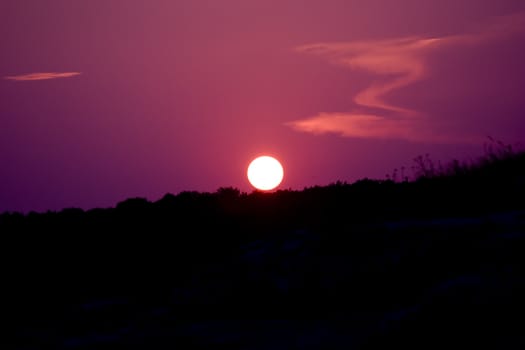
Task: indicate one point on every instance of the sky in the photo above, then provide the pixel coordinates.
(101, 101)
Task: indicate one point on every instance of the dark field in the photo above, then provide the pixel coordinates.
(434, 262)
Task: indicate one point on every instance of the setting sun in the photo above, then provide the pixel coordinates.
(265, 173)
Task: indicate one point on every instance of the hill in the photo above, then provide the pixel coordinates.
(435, 261)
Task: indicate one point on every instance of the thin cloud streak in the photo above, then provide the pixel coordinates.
(42, 76)
(405, 59)
(361, 125)
(373, 126)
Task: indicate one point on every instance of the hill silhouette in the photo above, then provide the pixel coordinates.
(428, 262)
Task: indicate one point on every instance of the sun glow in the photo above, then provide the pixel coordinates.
(265, 173)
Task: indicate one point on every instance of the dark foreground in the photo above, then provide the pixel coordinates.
(437, 263)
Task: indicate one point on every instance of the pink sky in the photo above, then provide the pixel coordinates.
(106, 100)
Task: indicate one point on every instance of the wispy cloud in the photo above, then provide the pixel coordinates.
(373, 126)
(361, 125)
(399, 57)
(402, 61)
(42, 76)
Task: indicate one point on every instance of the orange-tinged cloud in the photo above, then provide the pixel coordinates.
(352, 125)
(403, 61)
(42, 76)
(373, 126)
(399, 57)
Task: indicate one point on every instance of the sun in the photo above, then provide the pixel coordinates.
(265, 173)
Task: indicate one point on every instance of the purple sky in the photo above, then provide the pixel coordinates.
(106, 100)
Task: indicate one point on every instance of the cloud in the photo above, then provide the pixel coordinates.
(373, 126)
(353, 125)
(42, 76)
(400, 57)
(402, 62)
